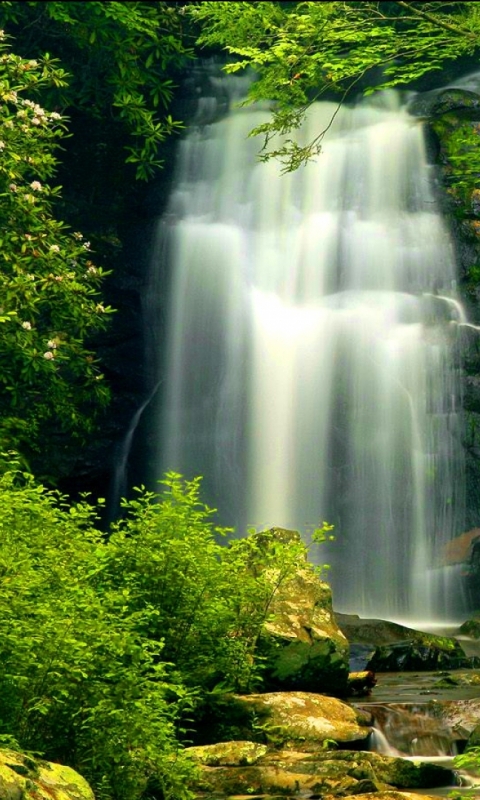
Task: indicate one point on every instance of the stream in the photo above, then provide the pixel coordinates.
(428, 716)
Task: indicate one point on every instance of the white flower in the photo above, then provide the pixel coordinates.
(55, 115)
(8, 123)
(86, 246)
(54, 248)
(92, 271)
(36, 186)
(52, 344)
(2, 145)
(36, 121)
(78, 235)
(21, 113)
(32, 63)
(13, 187)
(27, 326)
(48, 355)
(99, 308)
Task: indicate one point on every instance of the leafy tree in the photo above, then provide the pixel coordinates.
(303, 51)
(121, 59)
(50, 301)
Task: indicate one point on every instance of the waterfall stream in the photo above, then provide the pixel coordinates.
(311, 371)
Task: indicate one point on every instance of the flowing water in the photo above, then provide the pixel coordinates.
(311, 371)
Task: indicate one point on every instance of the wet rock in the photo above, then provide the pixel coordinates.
(437, 103)
(301, 644)
(471, 628)
(325, 774)
(461, 716)
(360, 684)
(426, 652)
(474, 738)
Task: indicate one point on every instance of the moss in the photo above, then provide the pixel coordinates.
(23, 778)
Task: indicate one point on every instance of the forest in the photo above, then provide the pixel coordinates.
(121, 630)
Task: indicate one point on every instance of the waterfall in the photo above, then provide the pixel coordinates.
(311, 371)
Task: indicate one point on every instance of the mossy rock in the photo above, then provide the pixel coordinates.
(301, 645)
(435, 104)
(23, 778)
(304, 721)
(471, 628)
(227, 754)
(425, 653)
(328, 774)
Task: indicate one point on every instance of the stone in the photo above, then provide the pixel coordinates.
(437, 103)
(305, 721)
(388, 795)
(424, 653)
(471, 628)
(327, 774)
(227, 754)
(25, 778)
(301, 644)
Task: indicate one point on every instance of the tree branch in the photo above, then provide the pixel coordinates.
(431, 18)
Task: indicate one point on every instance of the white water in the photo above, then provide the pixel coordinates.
(310, 372)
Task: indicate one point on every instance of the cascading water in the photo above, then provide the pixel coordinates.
(310, 368)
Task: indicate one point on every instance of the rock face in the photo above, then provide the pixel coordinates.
(303, 647)
(23, 778)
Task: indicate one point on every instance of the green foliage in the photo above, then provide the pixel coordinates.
(50, 300)
(121, 58)
(300, 51)
(107, 646)
(79, 681)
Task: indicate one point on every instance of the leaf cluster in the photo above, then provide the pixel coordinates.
(303, 51)
(121, 59)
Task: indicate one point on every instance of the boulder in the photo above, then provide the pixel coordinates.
(326, 774)
(471, 628)
(301, 644)
(427, 652)
(303, 721)
(25, 778)
(388, 795)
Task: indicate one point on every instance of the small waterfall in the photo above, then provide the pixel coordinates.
(311, 372)
(411, 731)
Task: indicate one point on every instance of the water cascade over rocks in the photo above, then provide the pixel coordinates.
(311, 369)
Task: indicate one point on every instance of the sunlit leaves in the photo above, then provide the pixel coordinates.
(302, 50)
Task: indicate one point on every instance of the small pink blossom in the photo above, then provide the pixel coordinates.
(36, 186)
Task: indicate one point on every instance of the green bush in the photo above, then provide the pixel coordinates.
(108, 644)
